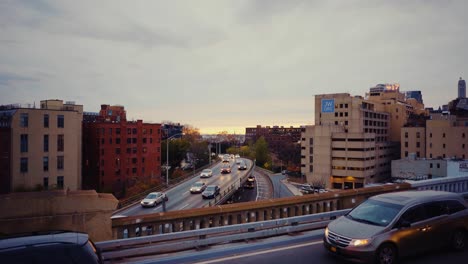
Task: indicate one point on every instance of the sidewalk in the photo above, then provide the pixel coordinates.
(292, 187)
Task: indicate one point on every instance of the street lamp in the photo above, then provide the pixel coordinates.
(167, 156)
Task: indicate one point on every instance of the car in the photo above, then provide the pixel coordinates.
(206, 173)
(242, 166)
(211, 191)
(198, 187)
(226, 169)
(237, 156)
(49, 247)
(153, 199)
(307, 189)
(251, 178)
(226, 160)
(388, 226)
(238, 161)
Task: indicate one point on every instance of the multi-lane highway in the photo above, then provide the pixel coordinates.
(180, 197)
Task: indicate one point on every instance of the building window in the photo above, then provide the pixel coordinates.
(117, 151)
(443, 135)
(60, 163)
(134, 131)
(418, 144)
(24, 120)
(144, 140)
(60, 121)
(418, 135)
(430, 145)
(406, 144)
(24, 143)
(24, 165)
(430, 155)
(117, 141)
(463, 146)
(110, 131)
(463, 135)
(406, 134)
(443, 145)
(406, 153)
(45, 163)
(46, 183)
(134, 140)
(46, 143)
(59, 182)
(418, 154)
(430, 165)
(60, 143)
(438, 165)
(430, 135)
(117, 131)
(110, 141)
(46, 120)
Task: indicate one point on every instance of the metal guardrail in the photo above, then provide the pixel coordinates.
(171, 242)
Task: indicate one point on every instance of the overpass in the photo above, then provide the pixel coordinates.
(185, 229)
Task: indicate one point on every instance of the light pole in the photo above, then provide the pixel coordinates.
(167, 156)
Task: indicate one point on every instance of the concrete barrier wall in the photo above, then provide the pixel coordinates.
(222, 215)
(83, 211)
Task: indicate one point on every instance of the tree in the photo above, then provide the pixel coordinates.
(261, 151)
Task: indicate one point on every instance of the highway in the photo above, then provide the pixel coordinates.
(297, 248)
(180, 197)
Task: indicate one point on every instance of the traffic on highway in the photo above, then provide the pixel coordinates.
(181, 197)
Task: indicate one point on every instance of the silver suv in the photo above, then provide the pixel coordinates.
(388, 226)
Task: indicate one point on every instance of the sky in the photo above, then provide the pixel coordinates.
(227, 65)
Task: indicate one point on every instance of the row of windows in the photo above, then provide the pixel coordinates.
(134, 131)
(353, 149)
(24, 143)
(374, 123)
(24, 164)
(353, 159)
(129, 141)
(353, 168)
(418, 135)
(24, 120)
(375, 115)
(354, 139)
(59, 182)
(341, 114)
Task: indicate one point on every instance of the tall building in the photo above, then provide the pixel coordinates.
(354, 139)
(461, 88)
(118, 152)
(40, 148)
(275, 136)
(416, 95)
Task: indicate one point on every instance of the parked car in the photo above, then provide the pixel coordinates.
(198, 187)
(226, 169)
(211, 191)
(242, 165)
(392, 225)
(206, 173)
(153, 199)
(307, 189)
(49, 247)
(251, 178)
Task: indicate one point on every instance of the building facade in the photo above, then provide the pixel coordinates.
(275, 136)
(40, 147)
(443, 136)
(117, 152)
(354, 139)
(412, 168)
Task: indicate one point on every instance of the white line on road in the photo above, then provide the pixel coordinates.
(184, 206)
(259, 253)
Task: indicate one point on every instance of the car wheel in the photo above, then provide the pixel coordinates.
(459, 238)
(387, 254)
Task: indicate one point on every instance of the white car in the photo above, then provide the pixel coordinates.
(154, 199)
(198, 187)
(206, 173)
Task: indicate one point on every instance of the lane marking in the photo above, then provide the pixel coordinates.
(184, 206)
(259, 253)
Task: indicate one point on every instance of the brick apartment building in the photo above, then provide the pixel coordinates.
(276, 136)
(118, 152)
(40, 148)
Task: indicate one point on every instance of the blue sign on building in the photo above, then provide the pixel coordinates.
(328, 105)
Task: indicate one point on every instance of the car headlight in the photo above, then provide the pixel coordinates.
(326, 232)
(359, 242)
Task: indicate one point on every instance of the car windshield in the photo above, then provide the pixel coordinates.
(197, 184)
(152, 196)
(375, 212)
(210, 188)
(206, 171)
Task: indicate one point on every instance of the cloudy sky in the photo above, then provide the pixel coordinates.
(226, 65)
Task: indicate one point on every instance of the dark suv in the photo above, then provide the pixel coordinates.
(49, 247)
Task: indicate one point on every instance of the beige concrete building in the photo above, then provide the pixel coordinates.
(354, 139)
(444, 136)
(41, 147)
